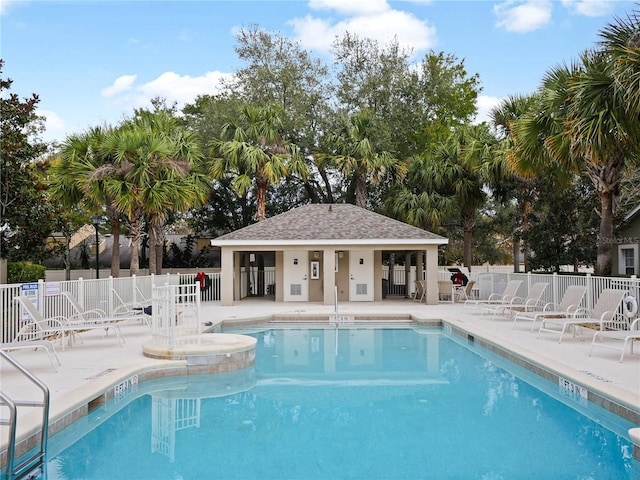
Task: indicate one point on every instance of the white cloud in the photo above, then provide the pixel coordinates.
(5, 5)
(351, 7)
(589, 8)
(122, 84)
(54, 124)
(520, 17)
(485, 104)
(182, 89)
(383, 26)
(173, 87)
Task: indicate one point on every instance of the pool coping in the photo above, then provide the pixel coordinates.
(79, 402)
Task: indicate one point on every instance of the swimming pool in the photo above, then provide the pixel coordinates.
(350, 403)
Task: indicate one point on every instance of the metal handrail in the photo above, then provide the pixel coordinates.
(38, 459)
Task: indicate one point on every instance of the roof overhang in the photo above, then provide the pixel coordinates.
(328, 243)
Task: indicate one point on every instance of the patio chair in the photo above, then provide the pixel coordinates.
(510, 291)
(99, 315)
(529, 303)
(627, 337)
(129, 308)
(463, 291)
(33, 344)
(421, 291)
(608, 304)
(41, 328)
(568, 307)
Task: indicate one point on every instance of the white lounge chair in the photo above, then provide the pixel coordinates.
(99, 315)
(34, 344)
(510, 291)
(529, 303)
(463, 292)
(608, 304)
(568, 307)
(128, 308)
(421, 292)
(626, 336)
(39, 327)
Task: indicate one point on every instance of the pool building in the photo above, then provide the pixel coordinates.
(319, 246)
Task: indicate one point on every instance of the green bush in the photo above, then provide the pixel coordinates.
(24, 272)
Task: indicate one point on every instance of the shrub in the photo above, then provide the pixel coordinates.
(24, 272)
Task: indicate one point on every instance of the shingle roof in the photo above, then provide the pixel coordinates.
(330, 223)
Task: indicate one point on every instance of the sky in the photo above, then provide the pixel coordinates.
(92, 62)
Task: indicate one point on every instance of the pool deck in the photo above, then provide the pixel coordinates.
(97, 364)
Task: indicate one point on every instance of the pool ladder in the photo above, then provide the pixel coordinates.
(37, 460)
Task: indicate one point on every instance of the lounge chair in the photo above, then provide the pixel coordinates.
(627, 337)
(420, 292)
(608, 304)
(129, 308)
(98, 315)
(510, 291)
(568, 307)
(41, 328)
(34, 344)
(463, 291)
(530, 303)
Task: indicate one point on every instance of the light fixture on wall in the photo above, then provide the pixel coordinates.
(316, 254)
(340, 254)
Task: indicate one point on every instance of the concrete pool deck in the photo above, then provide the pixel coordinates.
(91, 368)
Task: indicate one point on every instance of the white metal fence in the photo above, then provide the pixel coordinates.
(176, 314)
(106, 294)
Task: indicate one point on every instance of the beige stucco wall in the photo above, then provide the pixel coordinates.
(322, 289)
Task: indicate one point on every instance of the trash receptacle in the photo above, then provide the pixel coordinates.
(385, 287)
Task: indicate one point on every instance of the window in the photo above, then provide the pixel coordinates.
(628, 259)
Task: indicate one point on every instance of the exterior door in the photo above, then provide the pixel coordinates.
(295, 276)
(361, 276)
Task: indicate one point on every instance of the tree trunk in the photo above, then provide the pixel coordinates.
(135, 229)
(516, 255)
(115, 248)
(134, 267)
(159, 255)
(361, 190)
(468, 222)
(603, 261)
(152, 250)
(261, 199)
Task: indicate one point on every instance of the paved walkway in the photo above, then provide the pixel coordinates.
(89, 368)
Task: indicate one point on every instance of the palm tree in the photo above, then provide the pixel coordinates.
(355, 155)
(583, 123)
(448, 183)
(621, 39)
(78, 176)
(155, 171)
(178, 180)
(253, 151)
(512, 174)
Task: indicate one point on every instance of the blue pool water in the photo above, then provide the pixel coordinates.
(356, 404)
